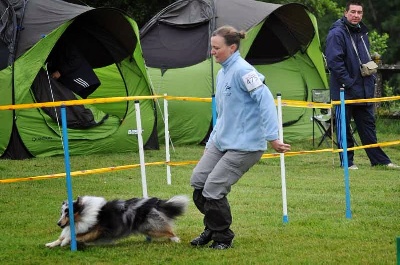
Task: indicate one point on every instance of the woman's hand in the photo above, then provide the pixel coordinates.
(279, 146)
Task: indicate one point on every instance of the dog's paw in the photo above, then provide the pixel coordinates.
(175, 239)
(53, 244)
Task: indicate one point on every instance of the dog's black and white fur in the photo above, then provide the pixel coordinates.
(99, 221)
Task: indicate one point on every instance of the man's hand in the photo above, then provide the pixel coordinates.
(279, 146)
(56, 75)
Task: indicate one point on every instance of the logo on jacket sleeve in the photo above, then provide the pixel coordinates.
(251, 80)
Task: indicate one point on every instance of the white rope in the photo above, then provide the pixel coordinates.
(5, 11)
(158, 104)
(55, 108)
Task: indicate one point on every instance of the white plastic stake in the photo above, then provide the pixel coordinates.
(282, 158)
(141, 150)
(167, 153)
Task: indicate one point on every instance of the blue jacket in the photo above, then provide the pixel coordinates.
(343, 62)
(247, 115)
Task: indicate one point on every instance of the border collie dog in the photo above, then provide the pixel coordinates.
(99, 221)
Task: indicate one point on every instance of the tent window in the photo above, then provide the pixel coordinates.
(267, 48)
(283, 34)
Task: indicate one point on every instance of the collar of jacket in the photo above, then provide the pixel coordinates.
(230, 60)
(360, 27)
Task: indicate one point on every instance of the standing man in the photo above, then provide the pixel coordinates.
(247, 119)
(347, 47)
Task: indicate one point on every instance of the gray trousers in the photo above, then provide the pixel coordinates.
(217, 171)
(212, 179)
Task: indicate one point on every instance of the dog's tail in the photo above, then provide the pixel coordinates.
(175, 206)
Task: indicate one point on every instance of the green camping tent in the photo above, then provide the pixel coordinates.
(109, 42)
(282, 43)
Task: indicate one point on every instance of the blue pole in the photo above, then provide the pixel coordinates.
(68, 178)
(344, 147)
(214, 110)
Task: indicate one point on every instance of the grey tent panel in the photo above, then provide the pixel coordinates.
(242, 14)
(11, 12)
(182, 13)
(38, 21)
(174, 47)
(178, 36)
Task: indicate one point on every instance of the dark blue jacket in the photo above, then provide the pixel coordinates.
(343, 62)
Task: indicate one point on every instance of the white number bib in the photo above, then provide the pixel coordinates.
(251, 80)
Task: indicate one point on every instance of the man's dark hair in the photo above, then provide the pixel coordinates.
(354, 3)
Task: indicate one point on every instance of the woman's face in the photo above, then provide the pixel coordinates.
(220, 50)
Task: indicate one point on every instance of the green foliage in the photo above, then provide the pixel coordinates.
(322, 7)
(317, 232)
(389, 108)
(378, 43)
(388, 90)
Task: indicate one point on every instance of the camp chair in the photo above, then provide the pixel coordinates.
(322, 118)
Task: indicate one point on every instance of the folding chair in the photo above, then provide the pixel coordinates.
(322, 117)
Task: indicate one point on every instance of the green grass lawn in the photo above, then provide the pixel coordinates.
(317, 232)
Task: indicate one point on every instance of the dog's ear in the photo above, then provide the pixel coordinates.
(79, 200)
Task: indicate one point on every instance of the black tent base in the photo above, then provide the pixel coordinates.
(152, 143)
(16, 149)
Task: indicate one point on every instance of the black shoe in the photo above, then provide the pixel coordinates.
(221, 245)
(203, 239)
